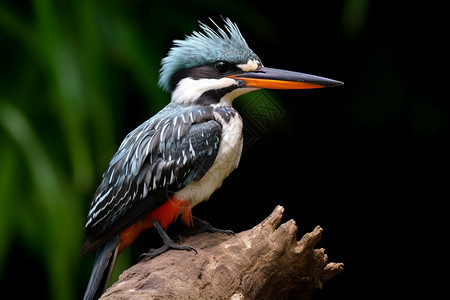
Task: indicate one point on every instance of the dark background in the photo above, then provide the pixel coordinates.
(366, 161)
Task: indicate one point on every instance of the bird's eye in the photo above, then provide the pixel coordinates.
(222, 67)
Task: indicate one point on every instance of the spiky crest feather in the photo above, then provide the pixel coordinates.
(202, 48)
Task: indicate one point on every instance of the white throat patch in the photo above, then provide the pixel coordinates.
(189, 90)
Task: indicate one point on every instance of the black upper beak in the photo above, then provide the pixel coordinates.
(270, 78)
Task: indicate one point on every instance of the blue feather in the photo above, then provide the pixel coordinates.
(207, 47)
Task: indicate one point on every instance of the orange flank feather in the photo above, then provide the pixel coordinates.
(165, 215)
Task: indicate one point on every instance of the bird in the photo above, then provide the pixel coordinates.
(181, 155)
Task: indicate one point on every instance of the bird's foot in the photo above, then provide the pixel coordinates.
(155, 252)
(168, 244)
(201, 226)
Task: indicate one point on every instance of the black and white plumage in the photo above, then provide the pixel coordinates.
(193, 144)
(159, 158)
(186, 150)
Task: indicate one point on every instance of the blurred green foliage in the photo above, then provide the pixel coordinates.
(64, 80)
(72, 72)
(59, 109)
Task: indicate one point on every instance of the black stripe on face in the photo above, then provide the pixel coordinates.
(209, 71)
(214, 96)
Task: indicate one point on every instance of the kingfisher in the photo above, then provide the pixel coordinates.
(181, 155)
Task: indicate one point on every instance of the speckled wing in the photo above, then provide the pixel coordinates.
(154, 161)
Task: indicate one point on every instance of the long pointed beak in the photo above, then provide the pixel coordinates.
(269, 78)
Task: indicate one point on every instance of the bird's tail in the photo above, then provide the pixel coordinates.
(103, 266)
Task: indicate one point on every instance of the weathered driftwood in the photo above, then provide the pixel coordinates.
(265, 262)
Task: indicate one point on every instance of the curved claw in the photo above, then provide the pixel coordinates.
(168, 244)
(203, 226)
(152, 253)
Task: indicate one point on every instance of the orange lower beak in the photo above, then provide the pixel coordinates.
(268, 78)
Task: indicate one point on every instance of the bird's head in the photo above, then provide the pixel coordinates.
(218, 66)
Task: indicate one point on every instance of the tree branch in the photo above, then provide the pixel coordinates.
(264, 262)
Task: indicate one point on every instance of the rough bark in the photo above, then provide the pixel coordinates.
(265, 262)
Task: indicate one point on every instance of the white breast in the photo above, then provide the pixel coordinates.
(226, 161)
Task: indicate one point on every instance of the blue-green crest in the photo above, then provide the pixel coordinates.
(207, 47)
